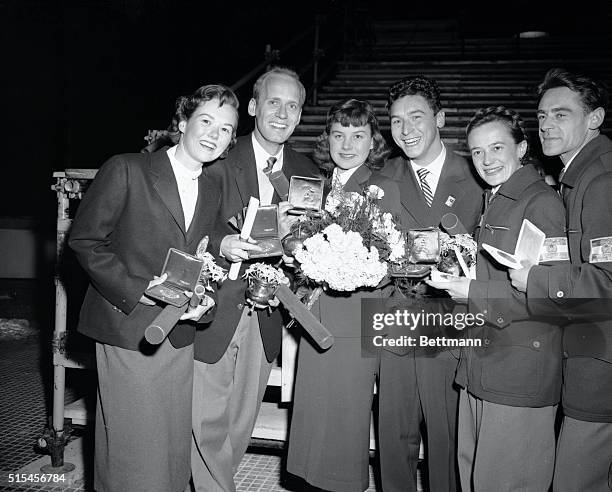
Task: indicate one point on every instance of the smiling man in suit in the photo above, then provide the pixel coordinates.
(417, 386)
(234, 355)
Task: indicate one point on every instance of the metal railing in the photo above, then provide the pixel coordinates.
(313, 65)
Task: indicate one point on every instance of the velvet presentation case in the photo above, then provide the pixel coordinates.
(183, 272)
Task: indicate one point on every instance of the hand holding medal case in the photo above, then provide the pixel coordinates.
(265, 232)
(183, 272)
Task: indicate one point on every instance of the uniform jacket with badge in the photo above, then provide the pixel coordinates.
(129, 217)
(575, 288)
(459, 191)
(238, 174)
(519, 362)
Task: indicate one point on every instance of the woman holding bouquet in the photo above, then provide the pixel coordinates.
(330, 427)
(511, 383)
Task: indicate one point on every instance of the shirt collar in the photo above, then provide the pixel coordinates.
(343, 178)
(261, 155)
(180, 171)
(567, 164)
(435, 166)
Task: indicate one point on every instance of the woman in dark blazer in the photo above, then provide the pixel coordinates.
(330, 426)
(511, 383)
(138, 206)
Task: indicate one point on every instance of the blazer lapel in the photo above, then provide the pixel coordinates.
(449, 189)
(412, 197)
(289, 169)
(245, 171)
(164, 183)
(358, 180)
(206, 200)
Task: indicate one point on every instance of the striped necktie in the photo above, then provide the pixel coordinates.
(423, 173)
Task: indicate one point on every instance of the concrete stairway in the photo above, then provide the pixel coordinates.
(472, 73)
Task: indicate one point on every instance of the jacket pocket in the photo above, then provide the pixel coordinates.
(513, 370)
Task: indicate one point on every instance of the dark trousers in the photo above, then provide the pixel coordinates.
(415, 390)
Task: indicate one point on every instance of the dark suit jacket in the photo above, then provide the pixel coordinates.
(459, 191)
(128, 219)
(587, 340)
(238, 175)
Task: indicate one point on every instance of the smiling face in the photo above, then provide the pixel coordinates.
(563, 123)
(206, 134)
(277, 111)
(349, 146)
(495, 154)
(415, 128)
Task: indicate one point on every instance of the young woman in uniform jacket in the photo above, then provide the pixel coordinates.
(511, 383)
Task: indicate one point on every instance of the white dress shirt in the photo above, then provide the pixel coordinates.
(434, 168)
(266, 190)
(187, 181)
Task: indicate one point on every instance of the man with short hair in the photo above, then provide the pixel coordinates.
(417, 386)
(233, 356)
(571, 111)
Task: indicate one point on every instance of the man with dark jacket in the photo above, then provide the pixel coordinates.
(417, 387)
(234, 355)
(570, 113)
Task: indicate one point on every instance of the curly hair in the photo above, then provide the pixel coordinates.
(351, 112)
(508, 117)
(593, 94)
(185, 106)
(418, 85)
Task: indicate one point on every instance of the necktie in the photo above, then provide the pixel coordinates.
(278, 180)
(268, 169)
(560, 183)
(423, 173)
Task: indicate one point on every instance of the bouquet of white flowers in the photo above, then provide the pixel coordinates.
(350, 244)
(340, 260)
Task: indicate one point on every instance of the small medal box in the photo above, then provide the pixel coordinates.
(305, 194)
(265, 232)
(183, 272)
(424, 245)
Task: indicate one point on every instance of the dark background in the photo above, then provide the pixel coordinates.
(83, 80)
